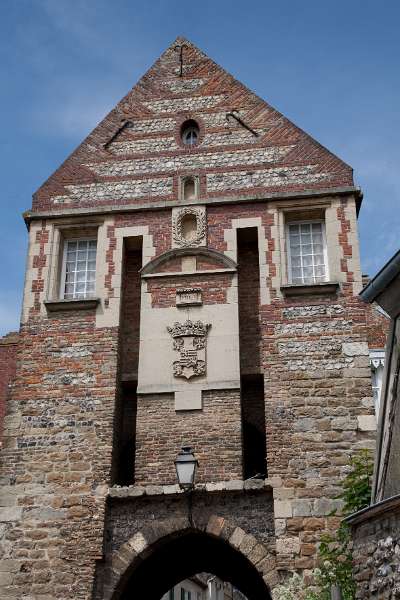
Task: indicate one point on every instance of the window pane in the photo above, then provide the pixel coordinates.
(307, 253)
(296, 261)
(80, 269)
(307, 261)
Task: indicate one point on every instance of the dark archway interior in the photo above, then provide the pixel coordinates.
(175, 559)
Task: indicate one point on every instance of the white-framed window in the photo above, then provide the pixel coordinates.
(78, 275)
(307, 253)
(377, 362)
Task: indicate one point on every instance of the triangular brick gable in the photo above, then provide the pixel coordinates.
(135, 156)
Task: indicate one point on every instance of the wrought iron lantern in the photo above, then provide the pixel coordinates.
(186, 465)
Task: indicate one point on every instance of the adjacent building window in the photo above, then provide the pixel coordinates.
(377, 362)
(307, 256)
(78, 269)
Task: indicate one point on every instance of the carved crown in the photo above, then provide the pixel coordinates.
(191, 328)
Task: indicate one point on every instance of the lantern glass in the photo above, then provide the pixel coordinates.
(186, 465)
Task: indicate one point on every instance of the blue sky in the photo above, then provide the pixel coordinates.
(332, 67)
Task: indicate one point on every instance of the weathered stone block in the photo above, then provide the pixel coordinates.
(10, 514)
(282, 509)
(301, 508)
(355, 349)
(366, 422)
(290, 545)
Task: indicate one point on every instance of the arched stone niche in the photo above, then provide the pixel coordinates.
(189, 188)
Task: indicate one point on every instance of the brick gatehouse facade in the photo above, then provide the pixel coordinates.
(193, 278)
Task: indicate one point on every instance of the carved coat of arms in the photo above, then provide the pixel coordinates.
(189, 341)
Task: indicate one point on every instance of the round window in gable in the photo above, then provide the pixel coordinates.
(190, 133)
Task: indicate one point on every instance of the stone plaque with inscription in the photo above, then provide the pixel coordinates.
(188, 297)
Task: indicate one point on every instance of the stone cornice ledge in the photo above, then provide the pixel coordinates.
(375, 510)
(325, 287)
(62, 305)
(234, 485)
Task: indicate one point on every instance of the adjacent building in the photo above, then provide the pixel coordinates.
(192, 279)
(376, 530)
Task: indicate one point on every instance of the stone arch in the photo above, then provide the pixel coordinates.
(220, 260)
(175, 550)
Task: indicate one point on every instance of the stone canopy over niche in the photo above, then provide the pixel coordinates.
(189, 226)
(170, 261)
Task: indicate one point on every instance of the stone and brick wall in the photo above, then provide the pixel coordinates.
(318, 410)
(376, 540)
(8, 364)
(57, 456)
(378, 328)
(214, 432)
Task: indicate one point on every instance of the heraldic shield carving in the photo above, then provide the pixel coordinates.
(190, 339)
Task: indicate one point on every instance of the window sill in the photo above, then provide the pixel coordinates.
(326, 287)
(62, 305)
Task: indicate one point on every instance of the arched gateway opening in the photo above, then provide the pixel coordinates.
(182, 555)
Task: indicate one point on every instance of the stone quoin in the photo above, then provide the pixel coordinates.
(193, 206)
